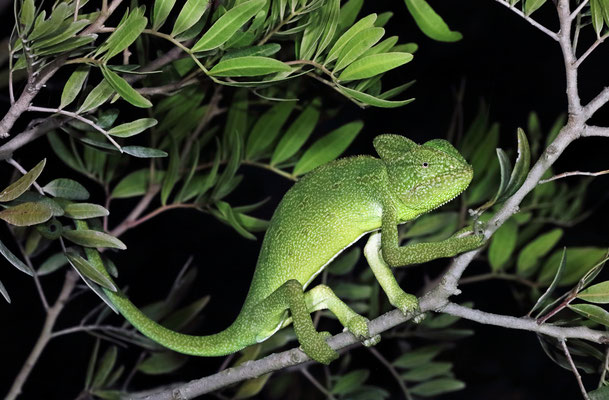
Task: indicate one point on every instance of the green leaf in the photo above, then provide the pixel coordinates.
(67, 189)
(353, 291)
(502, 244)
(11, 258)
(52, 264)
(192, 11)
(328, 147)
(91, 238)
(348, 14)
(143, 152)
(227, 215)
(430, 224)
(362, 24)
(601, 393)
(554, 284)
(160, 12)
(227, 25)
(67, 45)
(330, 24)
(529, 256)
(349, 382)
(372, 65)
(105, 366)
(372, 100)
(27, 14)
(437, 386)
(133, 128)
(521, 167)
(179, 319)
(22, 184)
(591, 312)
(267, 128)
(297, 134)
(249, 66)
(579, 261)
(162, 363)
(125, 34)
(74, 85)
(124, 89)
(360, 42)
(251, 387)
(430, 22)
(530, 6)
(87, 270)
(136, 183)
(27, 214)
(427, 371)
(84, 211)
(418, 356)
(598, 293)
(98, 96)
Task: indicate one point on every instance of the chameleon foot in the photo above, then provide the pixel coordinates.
(358, 326)
(318, 349)
(406, 303)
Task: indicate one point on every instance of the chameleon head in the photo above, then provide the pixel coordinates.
(423, 177)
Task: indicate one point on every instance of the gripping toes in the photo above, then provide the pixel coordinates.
(318, 349)
(358, 326)
(406, 303)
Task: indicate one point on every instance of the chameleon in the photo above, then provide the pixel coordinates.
(324, 213)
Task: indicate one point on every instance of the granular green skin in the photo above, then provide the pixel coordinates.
(320, 216)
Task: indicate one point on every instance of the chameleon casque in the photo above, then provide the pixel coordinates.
(325, 212)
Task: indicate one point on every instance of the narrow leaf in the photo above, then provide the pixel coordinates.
(372, 100)
(98, 96)
(27, 214)
(67, 189)
(249, 66)
(554, 284)
(598, 293)
(124, 89)
(328, 147)
(84, 211)
(228, 24)
(160, 12)
(361, 42)
(17, 263)
(4, 293)
(503, 244)
(430, 22)
(85, 268)
(143, 152)
(74, 85)
(267, 128)
(372, 65)
(52, 264)
(133, 128)
(192, 11)
(22, 184)
(592, 312)
(528, 259)
(91, 238)
(362, 24)
(297, 134)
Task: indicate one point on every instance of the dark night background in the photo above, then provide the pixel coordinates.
(503, 59)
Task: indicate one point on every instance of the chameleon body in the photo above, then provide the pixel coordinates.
(321, 215)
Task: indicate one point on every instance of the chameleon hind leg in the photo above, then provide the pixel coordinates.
(321, 297)
(290, 296)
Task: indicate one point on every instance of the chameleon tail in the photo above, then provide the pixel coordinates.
(218, 344)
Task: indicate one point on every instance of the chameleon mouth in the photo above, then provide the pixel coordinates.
(458, 180)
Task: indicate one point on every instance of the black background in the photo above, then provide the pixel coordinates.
(502, 59)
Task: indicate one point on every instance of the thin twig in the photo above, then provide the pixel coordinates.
(45, 335)
(593, 47)
(392, 371)
(563, 343)
(141, 206)
(497, 275)
(573, 173)
(576, 12)
(530, 20)
(316, 383)
(79, 118)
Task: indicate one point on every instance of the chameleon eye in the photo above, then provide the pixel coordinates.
(425, 165)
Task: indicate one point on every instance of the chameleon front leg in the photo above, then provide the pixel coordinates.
(321, 297)
(290, 296)
(399, 256)
(401, 300)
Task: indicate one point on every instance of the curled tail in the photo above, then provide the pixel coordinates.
(225, 342)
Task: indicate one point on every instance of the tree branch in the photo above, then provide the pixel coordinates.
(600, 100)
(530, 20)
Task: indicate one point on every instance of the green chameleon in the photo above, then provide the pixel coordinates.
(320, 216)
